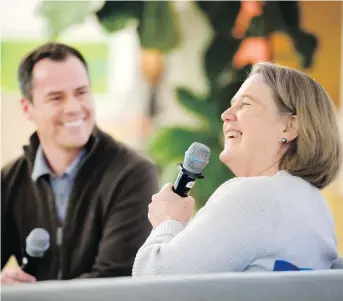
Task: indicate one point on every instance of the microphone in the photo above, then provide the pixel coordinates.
(37, 243)
(196, 158)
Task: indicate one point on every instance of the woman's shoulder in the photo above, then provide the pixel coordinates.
(261, 186)
(242, 196)
(246, 183)
(239, 189)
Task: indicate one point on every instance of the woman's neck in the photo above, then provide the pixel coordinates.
(271, 170)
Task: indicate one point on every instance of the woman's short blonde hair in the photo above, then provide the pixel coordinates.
(316, 154)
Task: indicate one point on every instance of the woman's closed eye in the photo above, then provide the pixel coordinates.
(245, 104)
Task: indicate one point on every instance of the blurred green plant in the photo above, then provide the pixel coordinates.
(60, 15)
(157, 23)
(158, 28)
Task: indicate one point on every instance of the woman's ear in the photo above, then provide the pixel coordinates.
(291, 129)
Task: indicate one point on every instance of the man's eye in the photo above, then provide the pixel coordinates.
(55, 98)
(245, 104)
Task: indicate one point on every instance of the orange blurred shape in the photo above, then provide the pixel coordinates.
(152, 64)
(253, 50)
(249, 9)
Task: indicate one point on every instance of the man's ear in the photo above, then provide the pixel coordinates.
(26, 106)
(291, 129)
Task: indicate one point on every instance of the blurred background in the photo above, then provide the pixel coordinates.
(163, 71)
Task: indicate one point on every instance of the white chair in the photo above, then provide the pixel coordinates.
(317, 285)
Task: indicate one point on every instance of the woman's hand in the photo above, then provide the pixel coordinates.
(167, 205)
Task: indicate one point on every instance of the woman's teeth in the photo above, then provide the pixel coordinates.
(233, 134)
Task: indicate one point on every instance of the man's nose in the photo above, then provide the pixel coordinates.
(72, 105)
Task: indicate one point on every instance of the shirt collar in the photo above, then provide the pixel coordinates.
(41, 166)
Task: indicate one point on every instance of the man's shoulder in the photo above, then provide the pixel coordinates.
(125, 169)
(116, 151)
(12, 176)
(12, 169)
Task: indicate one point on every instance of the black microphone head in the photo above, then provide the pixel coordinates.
(37, 242)
(196, 157)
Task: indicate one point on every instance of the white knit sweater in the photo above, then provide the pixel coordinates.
(248, 224)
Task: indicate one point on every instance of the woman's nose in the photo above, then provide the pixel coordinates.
(229, 115)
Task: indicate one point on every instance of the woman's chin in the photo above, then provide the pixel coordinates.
(225, 156)
(230, 159)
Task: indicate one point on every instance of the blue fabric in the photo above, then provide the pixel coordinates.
(61, 185)
(282, 265)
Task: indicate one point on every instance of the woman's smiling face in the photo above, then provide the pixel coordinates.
(253, 129)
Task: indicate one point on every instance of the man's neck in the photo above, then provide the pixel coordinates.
(59, 159)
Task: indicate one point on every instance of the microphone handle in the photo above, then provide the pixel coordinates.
(30, 264)
(183, 184)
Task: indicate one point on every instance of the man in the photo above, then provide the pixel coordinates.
(88, 191)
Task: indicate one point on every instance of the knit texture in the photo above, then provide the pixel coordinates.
(248, 224)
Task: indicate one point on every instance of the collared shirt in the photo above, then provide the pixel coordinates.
(61, 185)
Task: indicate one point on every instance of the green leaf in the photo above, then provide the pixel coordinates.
(219, 56)
(116, 15)
(169, 173)
(206, 111)
(285, 16)
(223, 95)
(159, 27)
(117, 23)
(221, 14)
(170, 144)
(60, 15)
(305, 44)
(258, 27)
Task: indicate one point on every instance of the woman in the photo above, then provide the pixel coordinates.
(282, 143)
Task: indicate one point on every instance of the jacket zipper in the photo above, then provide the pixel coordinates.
(57, 229)
(59, 239)
(60, 230)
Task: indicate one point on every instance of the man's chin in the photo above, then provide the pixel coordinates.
(73, 143)
(73, 140)
(72, 146)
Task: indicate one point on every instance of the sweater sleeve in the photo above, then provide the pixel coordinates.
(225, 235)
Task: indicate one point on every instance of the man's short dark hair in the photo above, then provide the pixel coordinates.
(57, 52)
